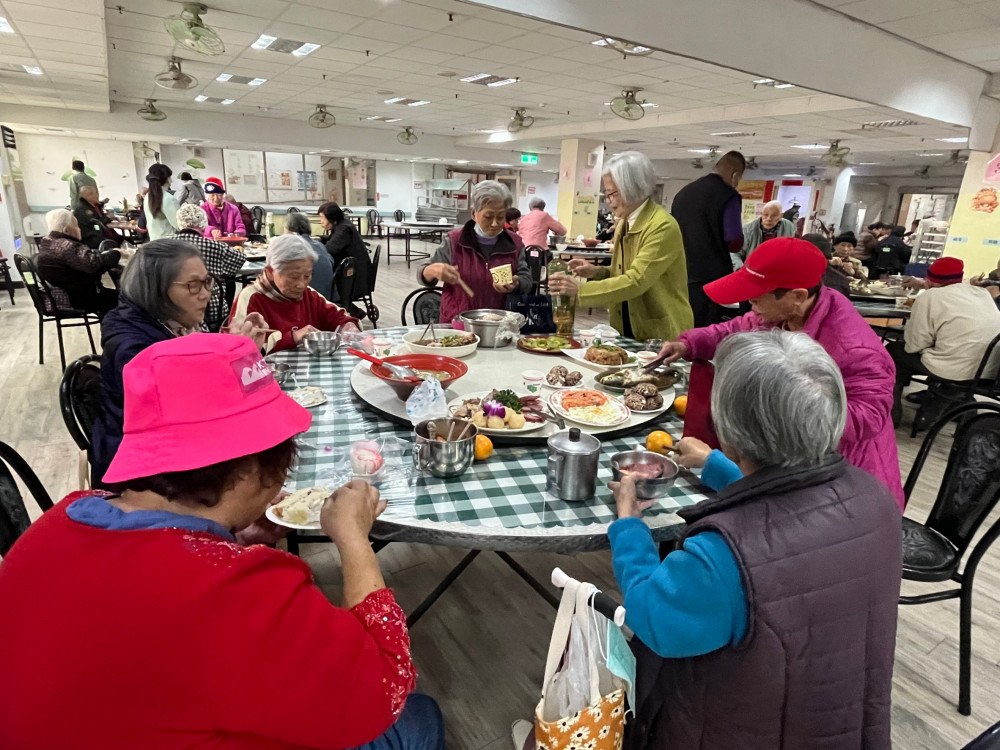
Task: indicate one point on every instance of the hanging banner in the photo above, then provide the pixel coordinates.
(974, 233)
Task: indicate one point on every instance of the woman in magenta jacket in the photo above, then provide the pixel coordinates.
(223, 218)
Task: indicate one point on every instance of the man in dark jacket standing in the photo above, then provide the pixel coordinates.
(773, 624)
(709, 212)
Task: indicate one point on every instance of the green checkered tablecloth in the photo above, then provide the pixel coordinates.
(504, 495)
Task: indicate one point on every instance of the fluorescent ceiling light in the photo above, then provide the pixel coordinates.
(228, 101)
(954, 140)
(393, 119)
(501, 165)
(33, 69)
(791, 175)
(5, 27)
(421, 103)
(432, 158)
(730, 132)
(264, 41)
(867, 163)
(257, 82)
(503, 82)
(200, 98)
(461, 161)
(373, 117)
(394, 100)
(223, 77)
(763, 81)
(649, 104)
(812, 146)
(477, 77)
(305, 49)
(699, 150)
(784, 85)
(926, 154)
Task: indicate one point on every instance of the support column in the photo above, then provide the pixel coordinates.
(580, 165)
(833, 197)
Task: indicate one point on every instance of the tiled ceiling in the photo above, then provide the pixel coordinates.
(374, 50)
(968, 30)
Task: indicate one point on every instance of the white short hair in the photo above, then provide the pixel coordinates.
(778, 399)
(288, 248)
(59, 220)
(536, 202)
(633, 175)
(773, 204)
(490, 191)
(190, 216)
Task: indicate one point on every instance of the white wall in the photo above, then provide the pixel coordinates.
(394, 184)
(546, 188)
(174, 156)
(45, 158)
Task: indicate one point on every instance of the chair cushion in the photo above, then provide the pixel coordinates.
(927, 555)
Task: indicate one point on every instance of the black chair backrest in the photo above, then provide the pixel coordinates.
(80, 398)
(13, 515)
(990, 356)
(258, 214)
(398, 215)
(107, 245)
(373, 217)
(375, 259)
(343, 281)
(970, 487)
(988, 740)
(33, 282)
(292, 210)
(426, 306)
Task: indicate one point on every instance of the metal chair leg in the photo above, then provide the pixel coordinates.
(965, 649)
(292, 541)
(41, 341)
(90, 335)
(62, 348)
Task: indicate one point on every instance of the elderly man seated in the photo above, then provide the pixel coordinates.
(221, 260)
(773, 623)
(73, 269)
(782, 282)
(950, 326)
(767, 226)
(90, 216)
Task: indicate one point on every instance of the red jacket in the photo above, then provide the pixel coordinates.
(311, 310)
(165, 639)
(869, 440)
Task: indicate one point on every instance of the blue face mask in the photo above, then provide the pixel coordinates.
(621, 661)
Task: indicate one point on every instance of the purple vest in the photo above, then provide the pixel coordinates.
(475, 271)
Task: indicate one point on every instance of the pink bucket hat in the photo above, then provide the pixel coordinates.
(196, 400)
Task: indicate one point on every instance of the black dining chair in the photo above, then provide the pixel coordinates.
(374, 219)
(5, 276)
(50, 311)
(258, 214)
(988, 740)
(368, 298)
(398, 215)
(426, 306)
(292, 210)
(969, 491)
(80, 403)
(14, 519)
(343, 282)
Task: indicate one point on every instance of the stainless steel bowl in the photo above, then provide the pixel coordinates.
(321, 343)
(444, 458)
(486, 330)
(647, 489)
(281, 371)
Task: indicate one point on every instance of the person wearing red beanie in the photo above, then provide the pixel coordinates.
(950, 326)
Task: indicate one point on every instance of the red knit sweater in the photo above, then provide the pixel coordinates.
(167, 639)
(311, 310)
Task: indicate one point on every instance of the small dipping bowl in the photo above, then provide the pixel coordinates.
(647, 489)
(644, 358)
(281, 371)
(532, 380)
(321, 343)
(383, 347)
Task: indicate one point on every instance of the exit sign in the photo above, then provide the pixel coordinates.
(529, 158)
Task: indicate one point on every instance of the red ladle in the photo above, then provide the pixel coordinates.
(403, 373)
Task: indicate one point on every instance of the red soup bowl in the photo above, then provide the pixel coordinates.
(455, 368)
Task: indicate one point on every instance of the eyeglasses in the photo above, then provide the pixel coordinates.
(196, 285)
(609, 194)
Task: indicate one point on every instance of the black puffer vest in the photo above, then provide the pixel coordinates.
(819, 553)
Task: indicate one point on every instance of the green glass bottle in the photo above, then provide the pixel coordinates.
(563, 305)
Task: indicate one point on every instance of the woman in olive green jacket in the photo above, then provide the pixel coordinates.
(645, 287)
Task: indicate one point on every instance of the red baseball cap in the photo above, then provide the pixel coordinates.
(946, 271)
(781, 263)
(199, 399)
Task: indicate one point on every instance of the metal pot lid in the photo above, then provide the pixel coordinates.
(574, 442)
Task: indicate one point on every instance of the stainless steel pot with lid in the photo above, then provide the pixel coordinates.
(572, 465)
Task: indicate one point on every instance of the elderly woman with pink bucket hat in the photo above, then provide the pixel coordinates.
(157, 630)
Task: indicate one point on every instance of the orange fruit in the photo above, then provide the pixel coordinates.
(484, 447)
(658, 441)
(680, 405)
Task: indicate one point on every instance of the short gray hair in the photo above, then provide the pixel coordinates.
(536, 202)
(149, 274)
(190, 216)
(298, 223)
(288, 248)
(59, 220)
(778, 399)
(489, 191)
(633, 175)
(773, 204)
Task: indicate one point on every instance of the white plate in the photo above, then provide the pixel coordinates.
(579, 354)
(528, 426)
(308, 396)
(271, 515)
(458, 352)
(547, 384)
(555, 401)
(668, 401)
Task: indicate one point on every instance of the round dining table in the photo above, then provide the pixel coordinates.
(500, 504)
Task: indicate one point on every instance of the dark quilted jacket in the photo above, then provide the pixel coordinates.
(820, 558)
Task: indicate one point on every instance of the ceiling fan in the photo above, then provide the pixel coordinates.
(148, 111)
(956, 158)
(626, 107)
(144, 151)
(520, 121)
(321, 118)
(188, 29)
(812, 171)
(174, 78)
(698, 163)
(626, 48)
(923, 173)
(407, 137)
(752, 163)
(836, 155)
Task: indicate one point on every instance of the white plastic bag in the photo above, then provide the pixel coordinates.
(427, 402)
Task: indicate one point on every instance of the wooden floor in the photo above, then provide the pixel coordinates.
(481, 648)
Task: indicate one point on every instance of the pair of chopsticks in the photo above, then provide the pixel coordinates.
(254, 332)
(466, 288)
